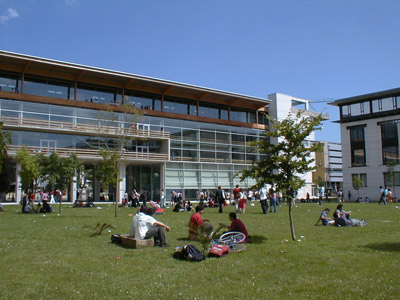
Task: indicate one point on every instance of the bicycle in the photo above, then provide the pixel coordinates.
(233, 239)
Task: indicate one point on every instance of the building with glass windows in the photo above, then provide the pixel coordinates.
(280, 107)
(329, 167)
(188, 139)
(369, 127)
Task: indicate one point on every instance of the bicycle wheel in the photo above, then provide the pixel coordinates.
(232, 237)
(237, 248)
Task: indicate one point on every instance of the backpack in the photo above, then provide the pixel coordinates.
(116, 238)
(191, 253)
(219, 251)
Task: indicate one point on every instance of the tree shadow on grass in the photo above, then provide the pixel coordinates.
(390, 247)
(256, 239)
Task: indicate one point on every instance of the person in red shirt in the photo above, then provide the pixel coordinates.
(236, 225)
(236, 196)
(198, 225)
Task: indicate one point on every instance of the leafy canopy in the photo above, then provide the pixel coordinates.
(5, 138)
(288, 153)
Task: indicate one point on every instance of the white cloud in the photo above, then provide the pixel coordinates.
(11, 14)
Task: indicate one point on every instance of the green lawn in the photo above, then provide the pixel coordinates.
(56, 257)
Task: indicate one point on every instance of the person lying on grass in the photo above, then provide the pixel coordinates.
(342, 218)
(236, 225)
(324, 218)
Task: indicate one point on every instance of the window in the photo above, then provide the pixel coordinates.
(98, 95)
(390, 142)
(48, 88)
(9, 83)
(385, 104)
(359, 180)
(355, 109)
(357, 144)
(392, 179)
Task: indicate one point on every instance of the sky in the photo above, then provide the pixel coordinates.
(321, 50)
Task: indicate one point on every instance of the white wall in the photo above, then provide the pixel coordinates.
(374, 166)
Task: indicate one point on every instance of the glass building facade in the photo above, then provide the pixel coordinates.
(182, 142)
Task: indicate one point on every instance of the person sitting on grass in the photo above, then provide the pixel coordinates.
(236, 225)
(342, 218)
(198, 225)
(324, 218)
(148, 227)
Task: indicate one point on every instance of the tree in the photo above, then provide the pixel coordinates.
(357, 184)
(7, 174)
(114, 136)
(107, 171)
(5, 139)
(392, 175)
(58, 171)
(30, 169)
(287, 159)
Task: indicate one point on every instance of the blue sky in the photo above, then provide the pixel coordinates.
(314, 49)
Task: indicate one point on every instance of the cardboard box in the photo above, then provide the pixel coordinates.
(130, 242)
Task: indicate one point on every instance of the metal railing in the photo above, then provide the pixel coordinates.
(89, 153)
(97, 129)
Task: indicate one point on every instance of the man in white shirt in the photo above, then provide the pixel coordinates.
(263, 199)
(147, 227)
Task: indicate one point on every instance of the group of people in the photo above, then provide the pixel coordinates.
(199, 226)
(340, 218)
(145, 226)
(270, 195)
(44, 201)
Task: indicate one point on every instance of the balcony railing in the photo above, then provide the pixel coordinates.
(12, 122)
(90, 153)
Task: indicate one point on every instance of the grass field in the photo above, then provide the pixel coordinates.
(55, 257)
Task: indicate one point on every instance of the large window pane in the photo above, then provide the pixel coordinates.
(190, 135)
(97, 95)
(390, 142)
(9, 83)
(44, 87)
(207, 136)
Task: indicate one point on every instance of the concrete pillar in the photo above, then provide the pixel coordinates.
(121, 184)
(18, 189)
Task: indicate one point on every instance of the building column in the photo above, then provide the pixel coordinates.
(72, 189)
(18, 189)
(162, 176)
(121, 184)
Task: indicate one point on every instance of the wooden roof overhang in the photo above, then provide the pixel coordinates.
(30, 65)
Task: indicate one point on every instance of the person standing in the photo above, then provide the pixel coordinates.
(383, 195)
(236, 196)
(263, 199)
(321, 194)
(162, 195)
(220, 198)
(272, 203)
(349, 196)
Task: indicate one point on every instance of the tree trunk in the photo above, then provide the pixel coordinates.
(291, 219)
(115, 204)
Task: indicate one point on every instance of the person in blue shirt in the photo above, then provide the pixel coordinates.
(324, 218)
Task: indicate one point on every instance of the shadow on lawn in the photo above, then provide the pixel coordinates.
(256, 239)
(391, 247)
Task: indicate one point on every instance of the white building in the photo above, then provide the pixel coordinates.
(279, 108)
(369, 128)
(329, 166)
